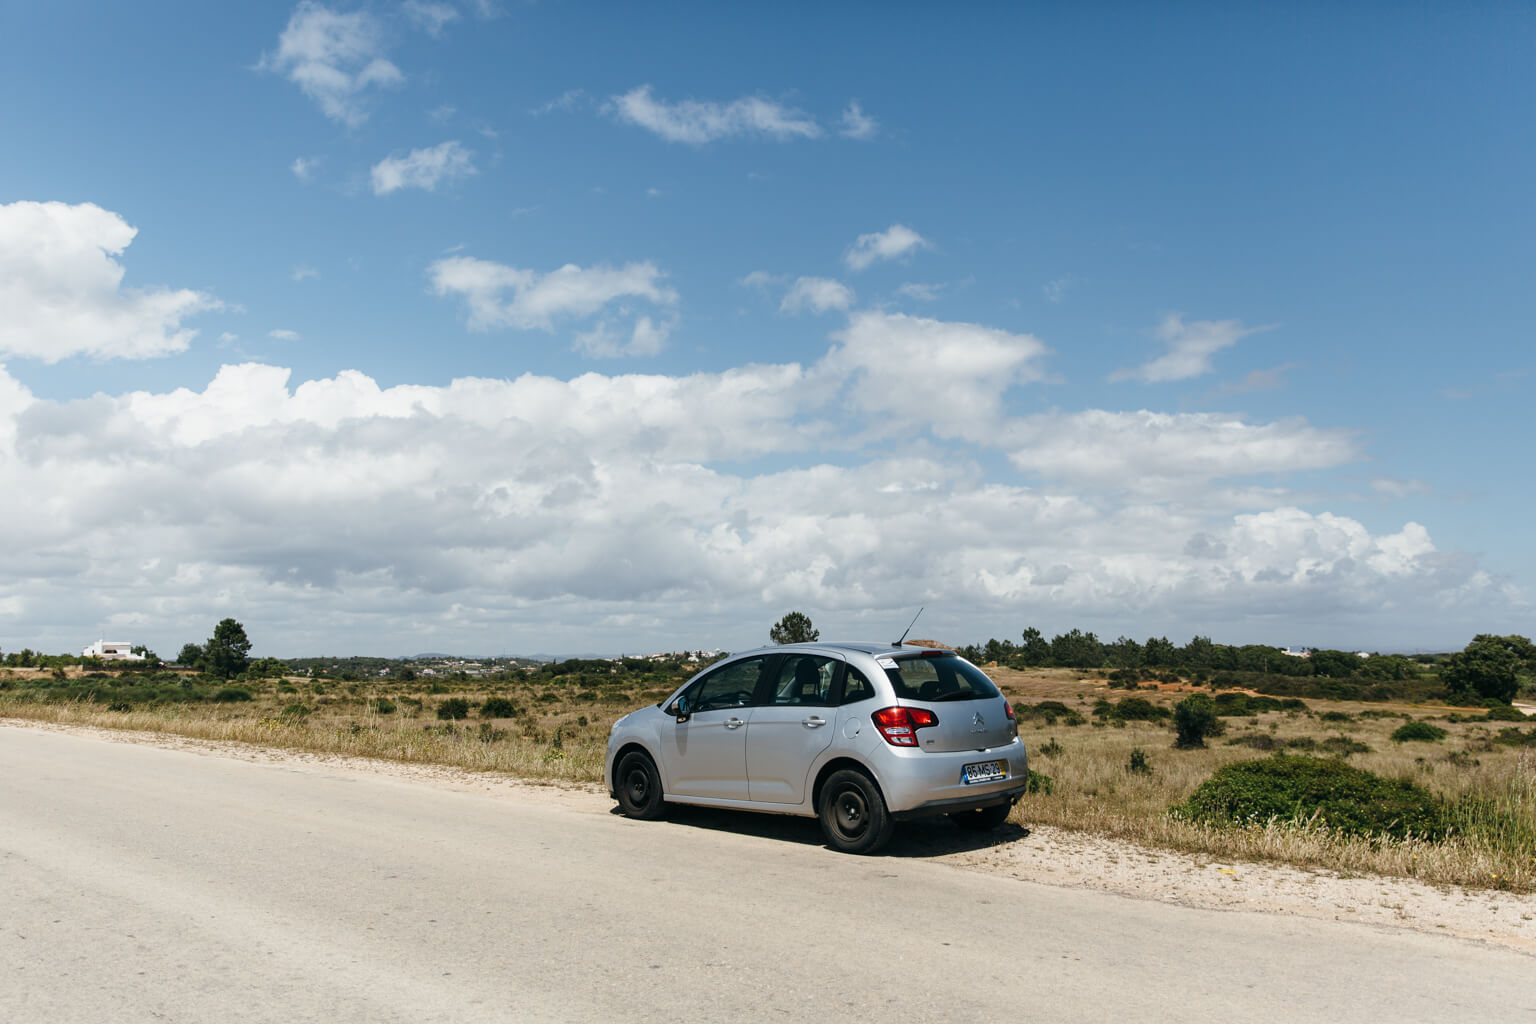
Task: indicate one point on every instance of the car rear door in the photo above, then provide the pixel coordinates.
(794, 723)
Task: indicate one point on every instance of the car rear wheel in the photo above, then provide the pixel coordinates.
(638, 786)
(853, 815)
(984, 819)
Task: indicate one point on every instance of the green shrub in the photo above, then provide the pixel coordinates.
(1130, 709)
(1294, 788)
(1256, 740)
(1139, 763)
(1505, 713)
(297, 712)
(453, 709)
(498, 707)
(1050, 749)
(1416, 731)
(1513, 737)
(1194, 720)
(1039, 783)
(1336, 716)
(231, 694)
(1343, 746)
(383, 706)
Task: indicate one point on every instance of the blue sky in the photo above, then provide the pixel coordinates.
(500, 327)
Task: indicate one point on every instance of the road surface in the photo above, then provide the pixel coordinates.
(139, 883)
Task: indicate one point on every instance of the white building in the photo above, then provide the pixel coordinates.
(112, 650)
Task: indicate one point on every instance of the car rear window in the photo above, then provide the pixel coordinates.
(938, 678)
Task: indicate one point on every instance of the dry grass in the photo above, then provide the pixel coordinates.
(1491, 786)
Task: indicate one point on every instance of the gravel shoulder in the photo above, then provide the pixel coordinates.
(1045, 855)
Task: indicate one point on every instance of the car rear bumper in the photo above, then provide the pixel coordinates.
(917, 783)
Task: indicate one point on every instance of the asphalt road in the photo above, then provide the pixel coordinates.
(145, 884)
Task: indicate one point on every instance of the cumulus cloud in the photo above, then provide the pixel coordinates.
(542, 514)
(894, 242)
(303, 167)
(1190, 348)
(646, 337)
(818, 294)
(334, 58)
(949, 376)
(431, 18)
(423, 168)
(1164, 452)
(857, 124)
(283, 334)
(699, 122)
(501, 296)
(61, 290)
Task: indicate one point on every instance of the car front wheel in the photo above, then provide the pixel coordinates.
(853, 815)
(638, 786)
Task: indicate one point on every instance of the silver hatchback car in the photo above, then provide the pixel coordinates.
(859, 735)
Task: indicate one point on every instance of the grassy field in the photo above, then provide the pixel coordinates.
(1109, 775)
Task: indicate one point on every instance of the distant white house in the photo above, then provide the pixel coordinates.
(112, 650)
(1299, 652)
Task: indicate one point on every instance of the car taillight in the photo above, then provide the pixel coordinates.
(1008, 708)
(899, 725)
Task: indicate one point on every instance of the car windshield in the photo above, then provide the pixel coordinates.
(932, 678)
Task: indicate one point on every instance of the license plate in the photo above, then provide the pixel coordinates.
(984, 771)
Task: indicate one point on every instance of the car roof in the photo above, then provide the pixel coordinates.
(870, 647)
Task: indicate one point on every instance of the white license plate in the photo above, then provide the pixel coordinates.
(984, 771)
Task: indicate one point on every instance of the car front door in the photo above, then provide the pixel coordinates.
(793, 726)
(706, 755)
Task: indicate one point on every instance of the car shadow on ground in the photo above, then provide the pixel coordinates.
(924, 837)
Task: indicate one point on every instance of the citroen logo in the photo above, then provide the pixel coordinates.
(976, 720)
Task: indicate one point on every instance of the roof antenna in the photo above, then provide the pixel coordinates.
(898, 643)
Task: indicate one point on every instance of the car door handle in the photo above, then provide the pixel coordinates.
(815, 721)
(734, 723)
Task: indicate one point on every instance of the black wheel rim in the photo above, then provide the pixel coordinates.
(637, 785)
(851, 813)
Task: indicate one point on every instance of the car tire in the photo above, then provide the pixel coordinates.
(637, 785)
(854, 818)
(983, 819)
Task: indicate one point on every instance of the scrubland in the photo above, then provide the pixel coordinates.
(1106, 756)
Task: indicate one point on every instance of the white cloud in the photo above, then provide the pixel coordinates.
(541, 514)
(303, 272)
(761, 280)
(303, 167)
(1190, 348)
(537, 300)
(1168, 452)
(1056, 290)
(948, 376)
(431, 18)
(818, 294)
(283, 334)
(921, 292)
(61, 290)
(646, 338)
(423, 168)
(857, 124)
(698, 122)
(892, 243)
(333, 57)
(566, 101)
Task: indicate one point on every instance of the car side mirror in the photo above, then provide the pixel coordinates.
(679, 709)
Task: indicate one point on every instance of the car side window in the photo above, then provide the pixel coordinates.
(805, 679)
(856, 687)
(731, 686)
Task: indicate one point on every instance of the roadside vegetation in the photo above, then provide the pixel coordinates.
(1175, 757)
